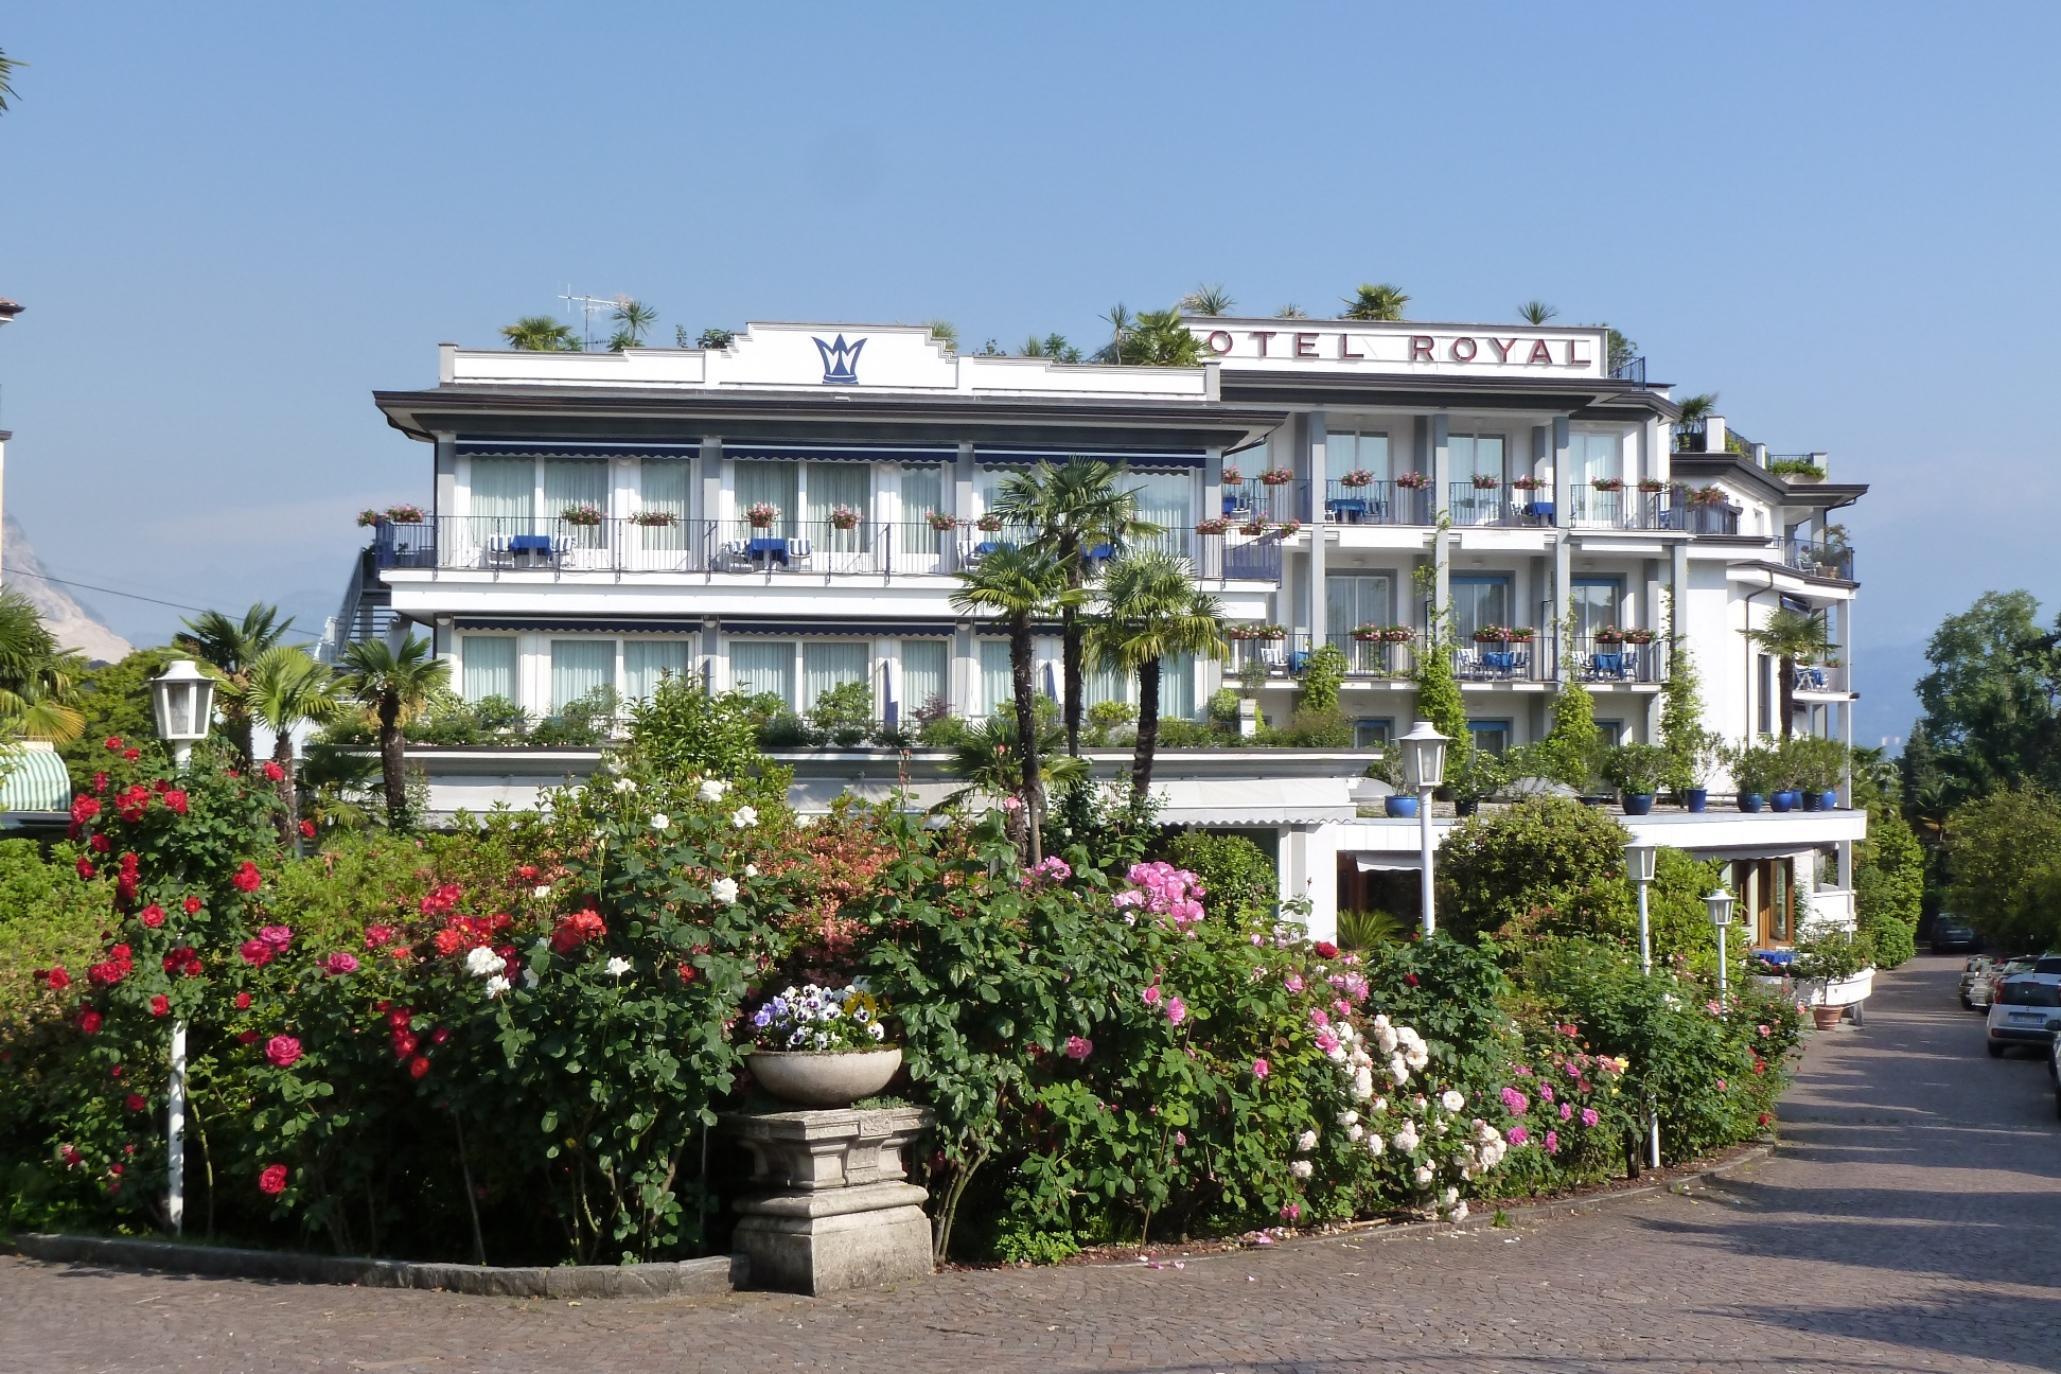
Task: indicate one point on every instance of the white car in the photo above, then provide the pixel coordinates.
(2025, 1010)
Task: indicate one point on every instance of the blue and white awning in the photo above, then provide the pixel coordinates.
(1143, 460)
(842, 453)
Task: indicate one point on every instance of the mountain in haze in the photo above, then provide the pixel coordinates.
(76, 625)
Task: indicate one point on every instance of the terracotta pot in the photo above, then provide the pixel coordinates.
(825, 1078)
(1827, 1017)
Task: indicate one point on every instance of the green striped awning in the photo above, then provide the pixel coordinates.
(35, 779)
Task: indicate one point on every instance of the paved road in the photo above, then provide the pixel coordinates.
(1911, 1222)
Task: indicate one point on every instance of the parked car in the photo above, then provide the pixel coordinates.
(2054, 1069)
(1951, 935)
(2026, 1010)
(1983, 990)
(1975, 971)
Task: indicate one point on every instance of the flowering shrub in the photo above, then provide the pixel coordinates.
(818, 1018)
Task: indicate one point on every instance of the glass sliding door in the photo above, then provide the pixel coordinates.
(1473, 459)
(502, 500)
(830, 665)
(1355, 599)
(1479, 602)
(577, 484)
(582, 671)
(997, 679)
(834, 493)
(1167, 499)
(647, 662)
(926, 664)
(1596, 605)
(923, 495)
(764, 481)
(489, 667)
(664, 488)
(763, 667)
(1177, 687)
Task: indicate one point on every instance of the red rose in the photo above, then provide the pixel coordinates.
(84, 808)
(114, 743)
(273, 772)
(134, 1102)
(378, 936)
(247, 877)
(248, 1037)
(190, 906)
(405, 1044)
(282, 1050)
(526, 872)
(1325, 949)
(272, 1180)
(160, 1005)
(397, 1019)
(439, 1036)
(100, 844)
(132, 754)
(175, 801)
(307, 830)
(256, 953)
(575, 930)
(152, 916)
(100, 782)
(71, 1157)
(1411, 979)
(686, 972)
(85, 866)
(89, 1021)
(243, 1001)
(58, 979)
(418, 1066)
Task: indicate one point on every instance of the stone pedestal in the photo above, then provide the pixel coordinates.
(831, 1207)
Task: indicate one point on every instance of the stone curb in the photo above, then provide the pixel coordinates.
(712, 1276)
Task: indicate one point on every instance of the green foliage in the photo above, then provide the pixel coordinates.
(1479, 774)
(2003, 853)
(1992, 705)
(1311, 728)
(1691, 749)
(1889, 886)
(1833, 954)
(1812, 762)
(114, 699)
(1159, 338)
(843, 715)
(1637, 768)
(1238, 879)
(1364, 930)
(47, 917)
(1438, 698)
(583, 723)
(682, 730)
(1574, 743)
(1757, 769)
(1223, 706)
(1323, 673)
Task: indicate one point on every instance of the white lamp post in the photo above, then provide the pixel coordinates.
(1638, 866)
(1424, 768)
(183, 698)
(1719, 905)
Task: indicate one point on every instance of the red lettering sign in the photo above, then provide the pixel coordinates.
(1305, 345)
(1468, 344)
(1420, 348)
(1572, 360)
(1540, 353)
(1502, 347)
(1261, 336)
(1345, 348)
(1218, 342)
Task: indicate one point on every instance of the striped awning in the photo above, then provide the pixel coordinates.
(582, 625)
(552, 448)
(849, 629)
(35, 780)
(1144, 460)
(842, 453)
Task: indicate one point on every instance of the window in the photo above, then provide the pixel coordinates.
(925, 663)
(1590, 456)
(830, 485)
(1490, 735)
(997, 679)
(503, 494)
(663, 487)
(1167, 499)
(923, 491)
(831, 664)
(570, 482)
(1354, 599)
(1479, 601)
(1610, 733)
(1346, 451)
(646, 661)
(1373, 732)
(1100, 683)
(579, 669)
(1474, 455)
(1177, 687)
(1596, 604)
(773, 483)
(763, 667)
(489, 667)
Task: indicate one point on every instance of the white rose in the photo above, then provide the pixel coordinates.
(1348, 1118)
(1449, 1196)
(625, 785)
(1460, 1212)
(1398, 1070)
(1363, 1085)
(661, 821)
(1451, 1100)
(1355, 1131)
(1385, 1040)
(529, 978)
(616, 967)
(1406, 1138)
(723, 890)
(481, 961)
(1336, 1054)
(1301, 1168)
(1380, 1104)
(1306, 1142)
(541, 891)
(752, 871)
(712, 790)
(1423, 1176)
(1374, 1143)
(744, 817)
(497, 985)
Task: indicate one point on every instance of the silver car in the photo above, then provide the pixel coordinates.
(1976, 971)
(2027, 1011)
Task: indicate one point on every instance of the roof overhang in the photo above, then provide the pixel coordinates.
(1577, 397)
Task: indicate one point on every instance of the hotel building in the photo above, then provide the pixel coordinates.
(788, 514)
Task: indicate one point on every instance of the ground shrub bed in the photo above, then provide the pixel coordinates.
(511, 1041)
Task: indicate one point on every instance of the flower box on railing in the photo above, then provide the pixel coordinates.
(654, 519)
(1609, 636)
(581, 516)
(1288, 527)
(1484, 482)
(1216, 524)
(989, 524)
(1413, 481)
(403, 514)
(1358, 477)
(1503, 634)
(760, 515)
(1652, 486)
(1638, 636)
(1383, 634)
(1253, 529)
(1607, 484)
(1260, 632)
(1707, 496)
(1528, 483)
(844, 518)
(1277, 477)
(941, 522)
(1233, 477)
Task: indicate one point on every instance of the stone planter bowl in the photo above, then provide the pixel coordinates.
(825, 1078)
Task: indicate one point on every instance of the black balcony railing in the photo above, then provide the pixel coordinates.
(1274, 503)
(1375, 658)
(1815, 558)
(1608, 658)
(1700, 517)
(1691, 436)
(1626, 507)
(1499, 505)
(1629, 370)
(1513, 660)
(1376, 503)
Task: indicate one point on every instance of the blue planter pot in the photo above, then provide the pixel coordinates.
(1829, 802)
(1698, 799)
(1752, 801)
(1399, 806)
(1638, 803)
(1814, 801)
(1785, 801)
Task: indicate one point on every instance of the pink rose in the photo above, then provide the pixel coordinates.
(1079, 1047)
(282, 1050)
(1151, 995)
(1176, 1010)
(1260, 1068)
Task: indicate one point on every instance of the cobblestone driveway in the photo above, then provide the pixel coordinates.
(1911, 1222)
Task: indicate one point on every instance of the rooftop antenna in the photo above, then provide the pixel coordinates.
(587, 306)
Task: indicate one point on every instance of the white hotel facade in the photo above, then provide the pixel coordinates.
(1338, 457)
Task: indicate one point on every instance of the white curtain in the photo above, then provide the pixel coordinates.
(1177, 687)
(645, 661)
(664, 485)
(579, 668)
(923, 491)
(838, 484)
(1355, 599)
(573, 482)
(1346, 451)
(773, 482)
(1593, 456)
(489, 667)
(504, 492)
(831, 664)
(997, 681)
(1167, 499)
(763, 665)
(924, 665)
(1100, 684)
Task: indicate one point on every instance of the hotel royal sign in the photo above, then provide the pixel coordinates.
(1293, 345)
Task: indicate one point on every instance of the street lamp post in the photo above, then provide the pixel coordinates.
(183, 698)
(1638, 862)
(1719, 905)
(1424, 768)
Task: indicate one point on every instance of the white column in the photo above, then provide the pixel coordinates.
(1321, 875)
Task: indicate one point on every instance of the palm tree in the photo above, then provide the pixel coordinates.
(38, 680)
(1291, 311)
(232, 648)
(1073, 509)
(395, 683)
(284, 688)
(1795, 637)
(1153, 610)
(1208, 299)
(1119, 320)
(988, 757)
(1161, 338)
(1019, 585)
(7, 66)
(540, 334)
(1536, 312)
(1375, 302)
(632, 318)
(1701, 406)
(946, 333)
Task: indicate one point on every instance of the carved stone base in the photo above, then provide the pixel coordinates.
(832, 1208)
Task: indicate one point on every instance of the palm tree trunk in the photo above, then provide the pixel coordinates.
(1026, 729)
(289, 824)
(1788, 697)
(391, 768)
(1070, 647)
(1148, 733)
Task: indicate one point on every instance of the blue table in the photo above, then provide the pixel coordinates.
(1499, 660)
(988, 546)
(1539, 510)
(766, 550)
(529, 548)
(1351, 508)
(1607, 665)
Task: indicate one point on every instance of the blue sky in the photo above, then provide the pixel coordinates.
(230, 222)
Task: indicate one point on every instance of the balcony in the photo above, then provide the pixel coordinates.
(1822, 681)
(819, 548)
(1530, 659)
(1364, 658)
(1479, 507)
(1376, 503)
(1816, 558)
(1613, 660)
(1271, 503)
(1618, 507)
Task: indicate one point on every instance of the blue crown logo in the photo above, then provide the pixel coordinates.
(840, 361)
